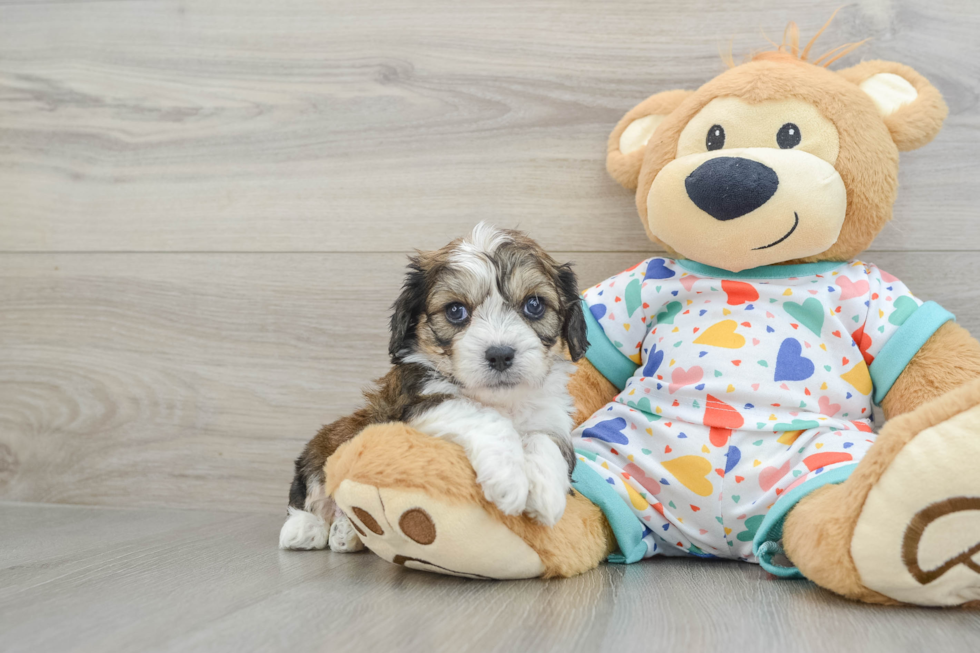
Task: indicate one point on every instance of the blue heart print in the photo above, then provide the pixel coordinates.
(790, 363)
(609, 430)
(733, 455)
(654, 359)
(598, 310)
(657, 270)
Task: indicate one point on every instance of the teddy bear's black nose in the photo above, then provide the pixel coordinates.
(728, 187)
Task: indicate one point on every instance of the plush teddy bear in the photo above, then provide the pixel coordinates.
(725, 405)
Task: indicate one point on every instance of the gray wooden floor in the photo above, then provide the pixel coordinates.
(108, 579)
(205, 207)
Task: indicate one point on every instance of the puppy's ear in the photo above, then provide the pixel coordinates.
(406, 310)
(573, 330)
(628, 141)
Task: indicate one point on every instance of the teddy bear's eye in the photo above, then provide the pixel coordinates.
(715, 140)
(788, 136)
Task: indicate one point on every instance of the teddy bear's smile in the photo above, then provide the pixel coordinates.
(796, 223)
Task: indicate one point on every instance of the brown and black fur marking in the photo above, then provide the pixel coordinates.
(397, 397)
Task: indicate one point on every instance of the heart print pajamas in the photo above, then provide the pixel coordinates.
(740, 393)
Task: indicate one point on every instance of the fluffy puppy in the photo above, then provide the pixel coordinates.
(478, 341)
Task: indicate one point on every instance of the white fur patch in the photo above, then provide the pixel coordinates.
(343, 537)
(473, 252)
(491, 444)
(486, 238)
(547, 475)
(303, 531)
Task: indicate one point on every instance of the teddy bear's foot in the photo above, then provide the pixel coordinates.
(412, 529)
(905, 526)
(414, 501)
(918, 537)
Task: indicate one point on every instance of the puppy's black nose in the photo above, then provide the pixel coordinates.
(728, 187)
(500, 358)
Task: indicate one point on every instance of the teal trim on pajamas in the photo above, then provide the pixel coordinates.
(611, 363)
(896, 354)
(763, 272)
(766, 544)
(625, 526)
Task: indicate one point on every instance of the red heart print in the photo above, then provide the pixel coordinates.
(818, 460)
(739, 292)
(863, 341)
(722, 419)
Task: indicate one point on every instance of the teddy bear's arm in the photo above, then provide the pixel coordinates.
(590, 390)
(949, 359)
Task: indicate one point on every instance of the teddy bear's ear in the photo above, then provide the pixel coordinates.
(628, 140)
(912, 108)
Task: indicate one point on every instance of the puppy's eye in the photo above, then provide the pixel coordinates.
(457, 313)
(788, 136)
(715, 140)
(533, 308)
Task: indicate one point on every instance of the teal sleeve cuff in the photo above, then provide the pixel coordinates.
(611, 363)
(625, 526)
(767, 544)
(894, 357)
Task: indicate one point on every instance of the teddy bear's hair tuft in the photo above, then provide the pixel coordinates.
(790, 48)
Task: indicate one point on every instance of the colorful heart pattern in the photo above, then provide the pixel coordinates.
(743, 389)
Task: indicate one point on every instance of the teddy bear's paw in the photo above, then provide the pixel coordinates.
(415, 530)
(303, 531)
(917, 539)
(548, 483)
(343, 537)
(503, 478)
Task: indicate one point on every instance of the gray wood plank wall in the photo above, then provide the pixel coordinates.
(205, 206)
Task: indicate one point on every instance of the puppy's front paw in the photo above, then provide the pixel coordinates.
(546, 501)
(343, 537)
(504, 481)
(548, 484)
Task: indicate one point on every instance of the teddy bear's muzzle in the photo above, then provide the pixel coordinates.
(742, 208)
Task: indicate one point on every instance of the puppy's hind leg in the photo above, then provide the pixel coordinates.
(317, 524)
(309, 515)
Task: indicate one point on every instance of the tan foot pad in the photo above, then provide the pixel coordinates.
(410, 528)
(918, 537)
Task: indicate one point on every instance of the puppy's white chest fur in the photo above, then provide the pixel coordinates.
(517, 438)
(547, 408)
